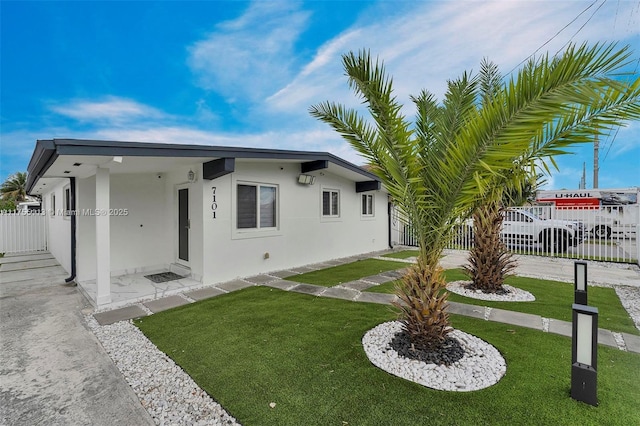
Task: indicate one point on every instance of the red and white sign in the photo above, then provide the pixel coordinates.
(588, 199)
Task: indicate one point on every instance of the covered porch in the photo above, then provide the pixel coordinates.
(133, 288)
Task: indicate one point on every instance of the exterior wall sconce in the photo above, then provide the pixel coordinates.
(584, 354)
(191, 176)
(580, 283)
(306, 179)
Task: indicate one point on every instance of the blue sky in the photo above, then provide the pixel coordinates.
(244, 73)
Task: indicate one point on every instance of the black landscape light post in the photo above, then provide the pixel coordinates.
(580, 283)
(584, 354)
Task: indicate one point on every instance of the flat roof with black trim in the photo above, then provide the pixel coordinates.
(47, 151)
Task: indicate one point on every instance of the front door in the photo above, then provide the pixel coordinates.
(183, 224)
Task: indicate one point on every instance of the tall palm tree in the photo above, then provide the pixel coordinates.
(15, 187)
(439, 168)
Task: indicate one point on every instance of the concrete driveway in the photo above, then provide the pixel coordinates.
(53, 370)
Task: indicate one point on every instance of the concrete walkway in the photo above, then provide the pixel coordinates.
(53, 369)
(556, 269)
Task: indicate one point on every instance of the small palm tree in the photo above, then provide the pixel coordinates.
(14, 187)
(490, 261)
(453, 157)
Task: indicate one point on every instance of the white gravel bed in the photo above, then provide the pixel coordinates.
(168, 393)
(630, 299)
(481, 366)
(514, 294)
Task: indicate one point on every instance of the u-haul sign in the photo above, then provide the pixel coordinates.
(589, 198)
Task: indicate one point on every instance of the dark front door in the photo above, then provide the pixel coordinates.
(183, 224)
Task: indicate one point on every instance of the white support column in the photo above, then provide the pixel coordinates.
(103, 238)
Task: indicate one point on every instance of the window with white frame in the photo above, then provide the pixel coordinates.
(330, 203)
(257, 206)
(367, 204)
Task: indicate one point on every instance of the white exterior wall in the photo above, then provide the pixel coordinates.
(59, 225)
(144, 231)
(142, 228)
(303, 235)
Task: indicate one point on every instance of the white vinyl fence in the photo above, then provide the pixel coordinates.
(607, 233)
(23, 232)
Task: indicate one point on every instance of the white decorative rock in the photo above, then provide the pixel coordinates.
(481, 366)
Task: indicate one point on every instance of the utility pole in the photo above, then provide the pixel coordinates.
(583, 181)
(596, 146)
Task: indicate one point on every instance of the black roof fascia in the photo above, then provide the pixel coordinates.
(217, 168)
(312, 166)
(369, 185)
(43, 156)
(55, 147)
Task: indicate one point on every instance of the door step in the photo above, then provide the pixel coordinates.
(180, 270)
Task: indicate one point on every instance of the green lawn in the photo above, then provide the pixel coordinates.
(348, 272)
(261, 345)
(553, 300)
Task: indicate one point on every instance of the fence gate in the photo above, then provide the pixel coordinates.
(23, 232)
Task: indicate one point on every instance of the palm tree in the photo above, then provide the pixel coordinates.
(490, 261)
(14, 187)
(439, 168)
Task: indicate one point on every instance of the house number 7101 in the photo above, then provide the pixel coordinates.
(214, 203)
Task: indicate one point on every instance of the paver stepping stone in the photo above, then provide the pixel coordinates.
(632, 342)
(303, 269)
(466, 310)
(516, 318)
(234, 285)
(284, 274)
(382, 298)
(204, 293)
(397, 274)
(379, 279)
(165, 303)
(308, 289)
(121, 314)
(605, 337)
(260, 279)
(340, 293)
(562, 328)
(357, 285)
(280, 284)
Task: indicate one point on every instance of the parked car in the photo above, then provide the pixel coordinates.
(523, 227)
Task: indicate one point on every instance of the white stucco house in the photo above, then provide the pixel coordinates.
(118, 208)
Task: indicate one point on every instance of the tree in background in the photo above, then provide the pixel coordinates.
(14, 188)
(441, 167)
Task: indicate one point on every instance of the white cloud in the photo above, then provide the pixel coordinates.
(251, 55)
(622, 141)
(111, 109)
(424, 44)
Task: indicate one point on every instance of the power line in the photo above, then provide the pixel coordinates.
(557, 34)
(583, 25)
